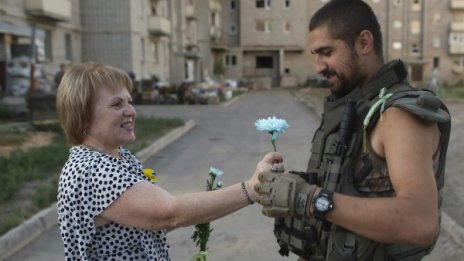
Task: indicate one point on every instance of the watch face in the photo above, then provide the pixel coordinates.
(322, 204)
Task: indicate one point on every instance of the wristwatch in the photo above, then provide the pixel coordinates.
(323, 204)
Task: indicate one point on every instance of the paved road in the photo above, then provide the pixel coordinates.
(225, 138)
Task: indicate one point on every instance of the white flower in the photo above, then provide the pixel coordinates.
(215, 172)
(272, 125)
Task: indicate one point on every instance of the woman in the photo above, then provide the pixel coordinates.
(107, 209)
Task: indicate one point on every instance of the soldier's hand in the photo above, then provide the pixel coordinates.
(283, 194)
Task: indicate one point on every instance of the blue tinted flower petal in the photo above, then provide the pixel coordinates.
(215, 172)
(271, 125)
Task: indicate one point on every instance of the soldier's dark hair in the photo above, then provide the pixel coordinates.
(346, 19)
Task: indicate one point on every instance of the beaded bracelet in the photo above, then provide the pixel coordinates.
(245, 191)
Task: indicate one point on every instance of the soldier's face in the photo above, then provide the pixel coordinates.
(335, 60)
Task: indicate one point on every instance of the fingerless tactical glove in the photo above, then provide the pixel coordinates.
(283, 194)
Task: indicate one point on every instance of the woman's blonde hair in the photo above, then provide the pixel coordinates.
(76, 96)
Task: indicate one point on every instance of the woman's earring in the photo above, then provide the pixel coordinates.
(85, 132)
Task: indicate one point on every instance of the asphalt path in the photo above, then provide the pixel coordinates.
(225, 137)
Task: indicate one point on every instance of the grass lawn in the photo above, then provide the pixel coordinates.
(29, 174)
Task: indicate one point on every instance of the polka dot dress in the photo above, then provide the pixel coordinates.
(90, 181)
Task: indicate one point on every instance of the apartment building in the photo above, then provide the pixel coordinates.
(266, 39)
(418, 32)
(273, 42)
(197, 41)
(263, 41)
(54, 27)
(131, 35)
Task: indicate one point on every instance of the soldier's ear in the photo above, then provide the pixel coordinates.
(365, 42)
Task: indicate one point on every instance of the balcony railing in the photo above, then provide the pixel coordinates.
(457, 5)
(190, 12)
(457, 26)
(455, 48)
(158, 25)
(59, 10)
(214, 5)
(215, 32)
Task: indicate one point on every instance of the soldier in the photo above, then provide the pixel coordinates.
(372, 188)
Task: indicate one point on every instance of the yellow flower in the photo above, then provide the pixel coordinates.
(150, 173)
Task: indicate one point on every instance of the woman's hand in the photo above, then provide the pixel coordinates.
(273, 161)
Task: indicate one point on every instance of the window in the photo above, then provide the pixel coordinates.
(415, 27)
(398, 2)
(264, 62)
(436, 62)
(263, 4)
(230, 60)
(436, 18)
(436, 42)
(154, 51)
(286, 27)
(416, 5)
(415, 48)
(153, 7)
(44, 45)
(397, 46)
(260, 26)
(263, 26)
(397, 24)
(459, 63)
(215, 19)
(287, 4)
(68, 46)
(142, 48)
(233, 29)
(416, 73)
(233, 5)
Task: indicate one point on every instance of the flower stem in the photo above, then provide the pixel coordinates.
(273, 144)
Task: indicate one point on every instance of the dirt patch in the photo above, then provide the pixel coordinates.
(36, 139)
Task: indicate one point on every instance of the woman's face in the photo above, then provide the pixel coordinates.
(113, 119)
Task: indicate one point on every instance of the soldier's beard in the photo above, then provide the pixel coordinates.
(347, 81)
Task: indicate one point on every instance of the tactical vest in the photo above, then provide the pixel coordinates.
(314, 239)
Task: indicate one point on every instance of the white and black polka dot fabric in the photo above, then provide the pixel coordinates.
(90, 181)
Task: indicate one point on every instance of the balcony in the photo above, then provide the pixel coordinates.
(457, 26)
(160, 26)
(455, 48)
(457, 5)
(215, 32)
(214, 6)
(190, 12)
(58, 10)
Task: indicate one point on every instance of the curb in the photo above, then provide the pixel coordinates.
(453, 229)
(20, 236)
(164, 141)
(229, 102)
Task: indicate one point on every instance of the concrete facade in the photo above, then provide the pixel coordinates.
(262, 41)
(428, 35)
(131, 35)
(55, 26)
